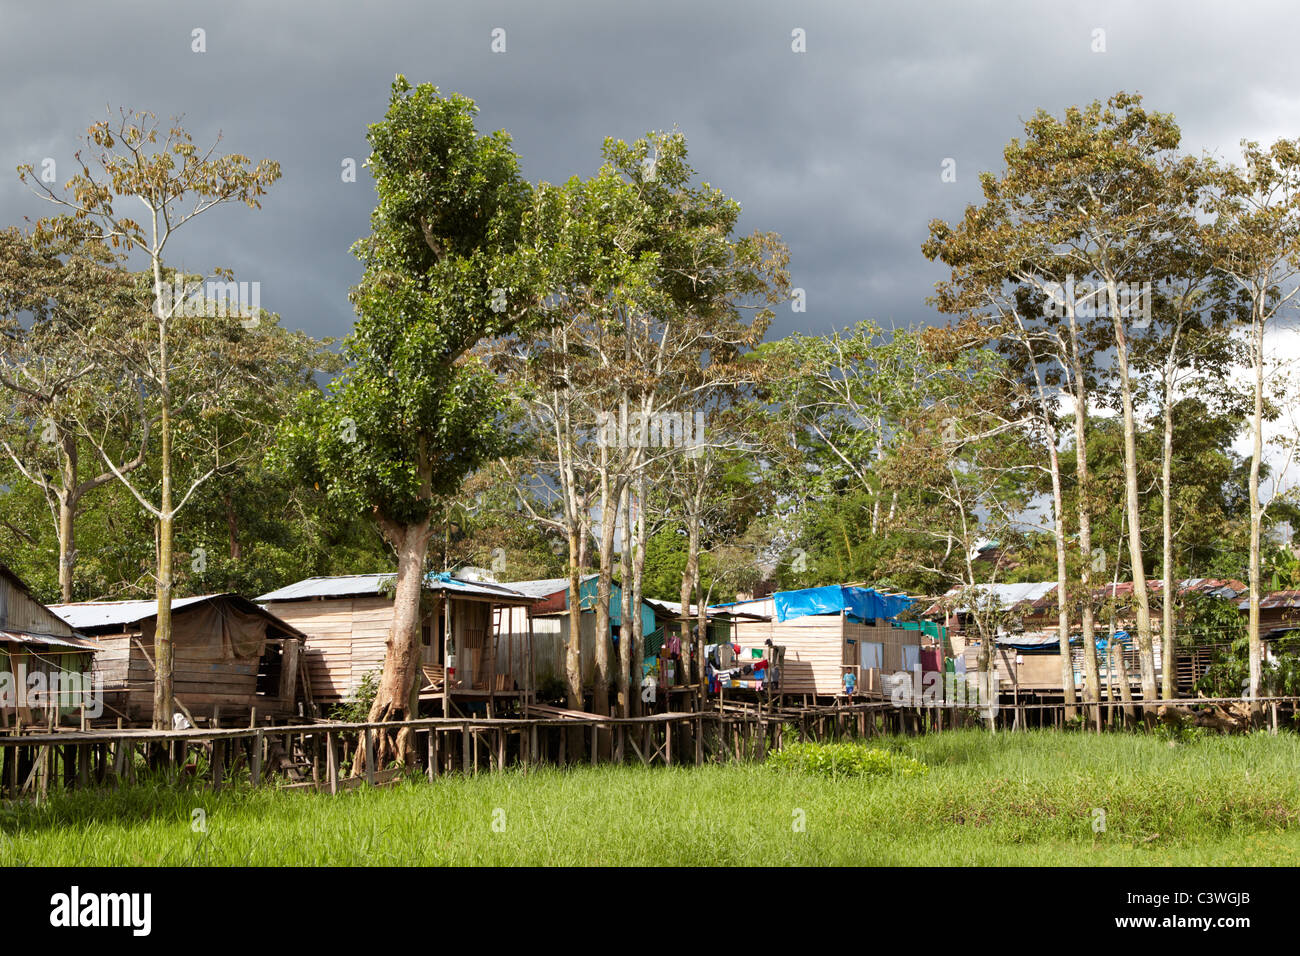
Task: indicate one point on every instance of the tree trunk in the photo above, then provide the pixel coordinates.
(688, 586)
(1167, 550)
(1256, 517)
(232, 528)
(608, 521)
(573, 647)
(162, 641)
(638, 593)
(1092, 677)
(1132, 504)
(987, 671)
(67, 516)
(402, 649)
(625, 635)
(162, 644)
(1120, 668)
(1062, 579)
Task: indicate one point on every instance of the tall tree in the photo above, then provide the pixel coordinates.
(1087, 206)
(134, 157)
(1255, 239)
(414, 413)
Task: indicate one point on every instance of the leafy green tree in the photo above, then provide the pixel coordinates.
(414, 413)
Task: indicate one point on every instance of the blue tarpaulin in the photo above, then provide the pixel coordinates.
(862, 604)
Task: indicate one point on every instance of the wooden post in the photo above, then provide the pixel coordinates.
(218, 762)
(668, 743)
(255, 767)
(464, 748)
(83, 761)
(289, 648)
(444, 606)
(431, 758)
(331, 763)
(370, 757)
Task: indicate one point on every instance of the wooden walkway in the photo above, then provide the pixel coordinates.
(318, 754)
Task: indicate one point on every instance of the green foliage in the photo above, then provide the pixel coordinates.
(844, 760)
(357, 710)
(1229, 674)
(413, 413)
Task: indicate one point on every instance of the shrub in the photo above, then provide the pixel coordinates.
(845, 759)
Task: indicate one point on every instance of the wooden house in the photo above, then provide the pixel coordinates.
(830, 632)
(37, 643)
(468, 653)
(1279, 613)
(229, 657)
(547, 620)
(1027, 655)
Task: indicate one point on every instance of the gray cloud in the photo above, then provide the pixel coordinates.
(838, 149)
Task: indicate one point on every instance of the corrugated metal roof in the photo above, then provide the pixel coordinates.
(347, 585)
(1006, 595)
(674, 608)
(1275, 600)
(92, 614)
(542, 587)
(1037, 593)
(25, 638)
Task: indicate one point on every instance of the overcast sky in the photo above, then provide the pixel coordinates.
(840, 148)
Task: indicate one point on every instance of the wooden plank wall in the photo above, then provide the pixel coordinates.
(345, 640)
(201, 685)
(1042, 672)
(549, 636)
(18, 612)
(817, 649)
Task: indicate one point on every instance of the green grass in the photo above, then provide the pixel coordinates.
(1007, 799)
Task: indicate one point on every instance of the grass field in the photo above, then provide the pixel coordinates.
(1030, 798)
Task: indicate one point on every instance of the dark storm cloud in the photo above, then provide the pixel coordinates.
(839, 149)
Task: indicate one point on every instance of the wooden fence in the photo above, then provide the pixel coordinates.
(317, 755)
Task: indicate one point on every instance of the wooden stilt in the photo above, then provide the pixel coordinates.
(255, 765)
(370, 757)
